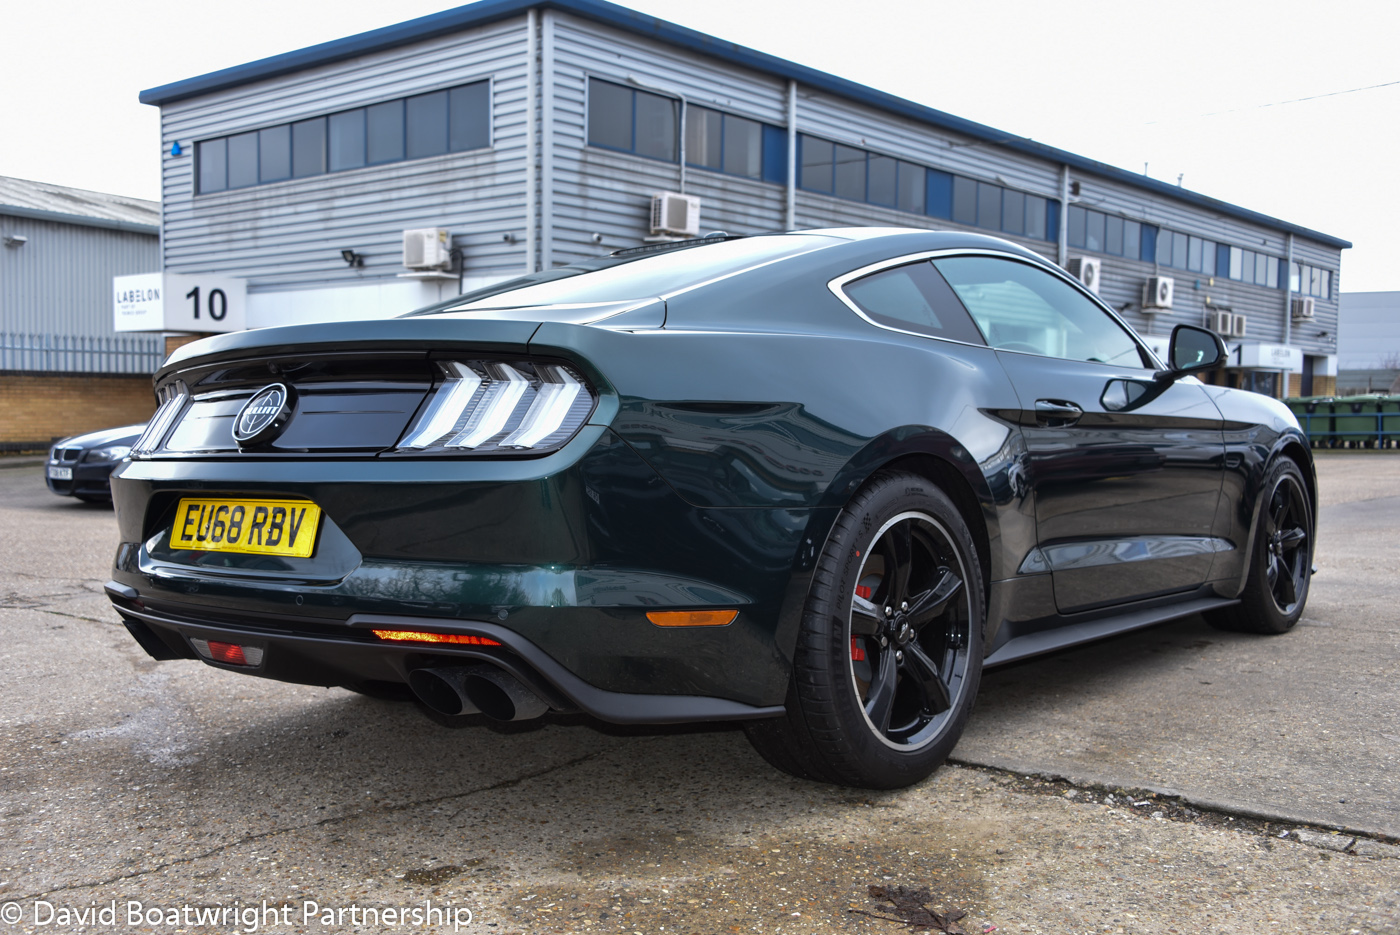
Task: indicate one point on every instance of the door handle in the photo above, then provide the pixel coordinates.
(1053, 413)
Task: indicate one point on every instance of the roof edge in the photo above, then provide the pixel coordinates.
(81, 220)
(484, 12)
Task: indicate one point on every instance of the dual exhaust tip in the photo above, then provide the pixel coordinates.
(474, 689)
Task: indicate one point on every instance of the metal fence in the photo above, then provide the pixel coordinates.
(69, 353)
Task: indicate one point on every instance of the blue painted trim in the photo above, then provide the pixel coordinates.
(81, 220)
(775, 154)
(485, 12)
(1147, 252)
(939, 194)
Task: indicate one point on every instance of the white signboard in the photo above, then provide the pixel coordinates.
(137, 300)
(1269, 357)
(179, 302)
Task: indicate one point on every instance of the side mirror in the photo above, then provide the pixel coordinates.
(1192, 349)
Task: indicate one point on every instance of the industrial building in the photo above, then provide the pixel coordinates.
(63, 367)
(373, 174)
(1368, 343)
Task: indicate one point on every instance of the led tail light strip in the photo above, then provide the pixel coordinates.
(489, 406)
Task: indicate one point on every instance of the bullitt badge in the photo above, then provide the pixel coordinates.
(263, 417)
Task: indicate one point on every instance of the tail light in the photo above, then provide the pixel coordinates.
(228, 653)
(172, 398)
(497, 406)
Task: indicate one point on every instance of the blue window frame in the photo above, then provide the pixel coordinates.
(452, 120)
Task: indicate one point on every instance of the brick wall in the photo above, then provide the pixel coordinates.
(36, 408)
(1322, 386)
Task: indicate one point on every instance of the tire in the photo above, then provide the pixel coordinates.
(1280, 569)
(878, 700)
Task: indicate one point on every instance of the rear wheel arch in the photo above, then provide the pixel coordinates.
(973, 509)
(1298, 453)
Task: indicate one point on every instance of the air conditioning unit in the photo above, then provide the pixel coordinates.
(1157, 293)
(1222, 323)
(675, 215)
(1238, 328)
(1303, 307)
(1086, 270)
(428, 248)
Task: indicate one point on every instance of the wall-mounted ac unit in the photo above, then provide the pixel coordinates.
(1303, 307)
(1239, 327)
(427, 248)
(675, 215)
(1157, 293)
(1222, 323)
(1086, 270)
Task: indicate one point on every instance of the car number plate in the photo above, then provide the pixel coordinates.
(258, 527)
(60, 473)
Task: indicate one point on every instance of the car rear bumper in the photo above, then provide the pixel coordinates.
(355, 657)
(559, 562)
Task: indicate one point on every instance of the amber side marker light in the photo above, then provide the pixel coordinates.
(692, 618)
(416, 636)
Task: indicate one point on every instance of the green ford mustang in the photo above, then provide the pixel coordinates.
(814, 481)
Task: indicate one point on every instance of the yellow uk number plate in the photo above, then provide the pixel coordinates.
(260, 527)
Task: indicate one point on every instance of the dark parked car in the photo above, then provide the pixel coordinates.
(80, 466)
(813, 481)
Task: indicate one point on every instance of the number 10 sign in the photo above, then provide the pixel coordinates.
(178, 302)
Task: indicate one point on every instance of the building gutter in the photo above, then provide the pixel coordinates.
(532, 53)
(547, 140)
(791, 216)
(80, 220)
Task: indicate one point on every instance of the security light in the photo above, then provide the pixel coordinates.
(15, 240)
(352, 258)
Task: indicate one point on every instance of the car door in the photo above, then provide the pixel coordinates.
(1126, 470)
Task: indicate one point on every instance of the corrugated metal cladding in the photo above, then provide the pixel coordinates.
(592, 200)
(597, 191)
(60, 280)
(290, 233)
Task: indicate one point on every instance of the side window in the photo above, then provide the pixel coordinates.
(1021, 308)
(913, 298)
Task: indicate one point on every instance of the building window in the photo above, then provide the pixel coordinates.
(1105, 233)
(633, 121)
(1115, 235)
(734, 145)
(857, 175)
(1311, 280)
(1245, 266)
(449, 121)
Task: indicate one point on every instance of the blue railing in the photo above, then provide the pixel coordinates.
(71, 353)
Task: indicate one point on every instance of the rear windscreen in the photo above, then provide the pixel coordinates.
(658, 275)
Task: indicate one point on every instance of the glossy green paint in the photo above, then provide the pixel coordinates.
(733, 422)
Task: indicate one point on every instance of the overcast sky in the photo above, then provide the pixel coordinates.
(1284, 107)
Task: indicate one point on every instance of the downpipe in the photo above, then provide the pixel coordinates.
(476, 689)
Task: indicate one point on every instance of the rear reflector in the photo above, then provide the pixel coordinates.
(228, 653)
(692, 618)
(416, 636)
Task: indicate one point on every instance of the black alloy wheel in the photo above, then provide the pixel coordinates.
(890, 652)
(908, 646)
(1281, 563)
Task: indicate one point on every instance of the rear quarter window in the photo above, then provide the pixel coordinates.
(913, 297)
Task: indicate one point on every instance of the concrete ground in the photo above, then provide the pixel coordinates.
(178, 786)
